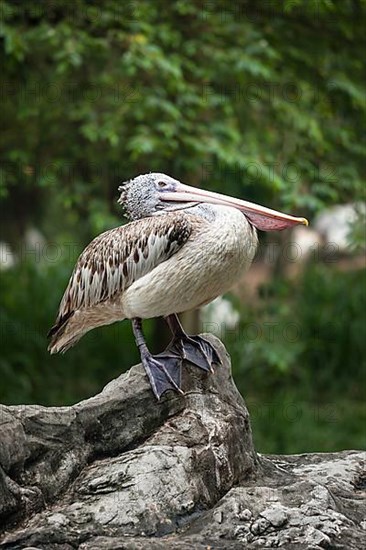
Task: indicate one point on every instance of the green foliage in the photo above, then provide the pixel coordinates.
(298, 357)
(28, 373)
(263, 100)
(335, 329)
(310, 332)
(358, 230)
(285, 421)
(266, 100)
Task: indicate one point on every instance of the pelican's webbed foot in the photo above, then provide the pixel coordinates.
(163, 370)
(194, 349)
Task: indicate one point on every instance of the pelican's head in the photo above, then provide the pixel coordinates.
(154, 193)
(145, 195)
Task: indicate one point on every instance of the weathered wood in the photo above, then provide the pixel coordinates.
(120, 470)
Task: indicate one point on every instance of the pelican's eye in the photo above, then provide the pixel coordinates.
(162, 184)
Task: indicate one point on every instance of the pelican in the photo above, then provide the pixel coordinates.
(182, 248)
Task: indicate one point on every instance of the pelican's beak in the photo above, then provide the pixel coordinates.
(261, 217)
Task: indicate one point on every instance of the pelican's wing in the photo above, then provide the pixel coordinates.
(117, 258)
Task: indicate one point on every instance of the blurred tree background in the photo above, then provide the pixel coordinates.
(261, 100)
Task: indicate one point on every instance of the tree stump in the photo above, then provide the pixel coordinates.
(123, 471)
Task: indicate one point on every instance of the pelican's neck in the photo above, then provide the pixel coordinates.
(207, 211)
(225, 214)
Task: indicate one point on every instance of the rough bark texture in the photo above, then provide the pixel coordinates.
(121, 471)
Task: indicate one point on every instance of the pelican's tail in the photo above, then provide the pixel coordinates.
(69, 328)
(62, 338)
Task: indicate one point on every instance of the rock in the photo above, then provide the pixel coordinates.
(219, 316)
(120, 470)
(308, 501)
(335, 224)
(275, 515)
(7, 257)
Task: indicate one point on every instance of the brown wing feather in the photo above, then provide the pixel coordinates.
(117, 258)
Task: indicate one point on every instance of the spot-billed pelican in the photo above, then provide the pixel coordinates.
(183, 247)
